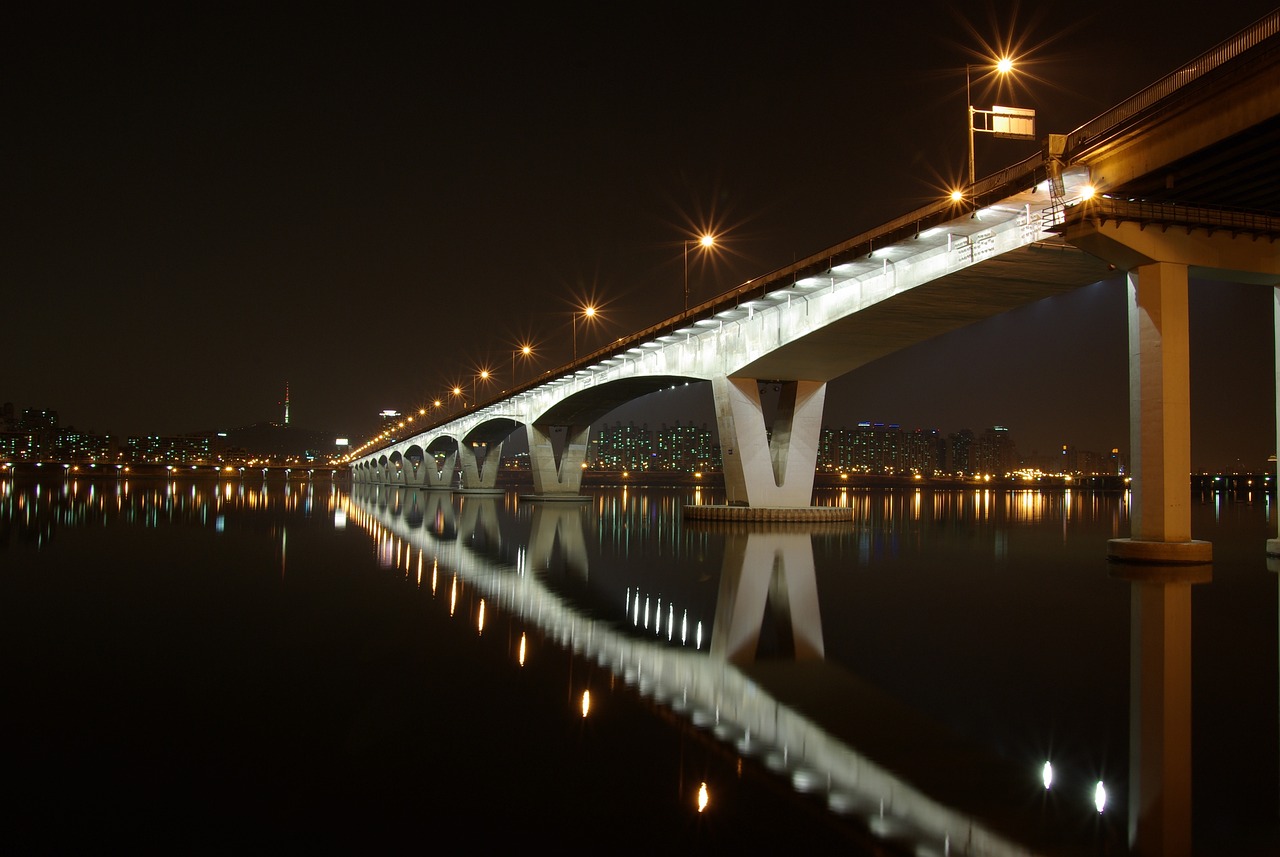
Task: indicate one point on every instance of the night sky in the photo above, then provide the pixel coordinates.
(204, 202)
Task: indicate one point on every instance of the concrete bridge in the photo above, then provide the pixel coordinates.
(1177, 182)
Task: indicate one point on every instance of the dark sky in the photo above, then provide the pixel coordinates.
(204, 202)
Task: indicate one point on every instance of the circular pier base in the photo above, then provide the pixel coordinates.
(557, 498)
(1193, 552)
(803, 514)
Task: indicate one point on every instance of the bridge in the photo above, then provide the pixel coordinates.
(1177, 182)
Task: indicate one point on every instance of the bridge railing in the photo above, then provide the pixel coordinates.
(1017, 177)
(1174, 214)
(1120, 115)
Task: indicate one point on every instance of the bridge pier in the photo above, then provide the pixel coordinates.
(1159, 420)
(443, 477)
(477, 474)
(427, 473)
(557, 478)
(1161, 559)
(760, 470)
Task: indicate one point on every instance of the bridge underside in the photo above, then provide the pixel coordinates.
(983, 290)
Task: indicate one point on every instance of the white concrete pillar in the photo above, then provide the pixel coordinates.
(557, 476)
(477, 474)
(1159, 420)
(764, 471)
(437, 476)
(415, 473)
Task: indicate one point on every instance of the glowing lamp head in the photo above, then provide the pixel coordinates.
(957, 195)
(1004, 65)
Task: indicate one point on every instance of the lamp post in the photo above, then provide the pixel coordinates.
(483, 376)
(707, 240)
(1011, 122)
(525, 351)
(457, 393)
(968, 99)
(588, 311)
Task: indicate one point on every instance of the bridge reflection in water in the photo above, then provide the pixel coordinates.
(833, 734)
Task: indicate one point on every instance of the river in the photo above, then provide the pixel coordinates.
(212, 665)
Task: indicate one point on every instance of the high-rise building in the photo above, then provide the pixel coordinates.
(995, 453)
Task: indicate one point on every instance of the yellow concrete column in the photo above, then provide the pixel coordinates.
(1159, 420)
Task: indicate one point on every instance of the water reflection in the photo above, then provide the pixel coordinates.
(792, 713)
(33, 512)
(768, 574)
(765, 636)
(1160, 705)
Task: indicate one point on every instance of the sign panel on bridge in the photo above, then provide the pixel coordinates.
(1013, 123)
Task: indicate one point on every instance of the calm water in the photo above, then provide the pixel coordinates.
(227, 666)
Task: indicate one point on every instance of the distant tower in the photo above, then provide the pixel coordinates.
(286, 402)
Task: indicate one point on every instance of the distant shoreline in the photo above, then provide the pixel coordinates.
(613, 478)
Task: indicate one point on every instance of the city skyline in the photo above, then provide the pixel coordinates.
(30, 436)
(207, 206)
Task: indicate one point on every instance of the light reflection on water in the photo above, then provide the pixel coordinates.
(991, 611)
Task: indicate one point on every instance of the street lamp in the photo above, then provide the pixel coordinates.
(483, 376)
(588, 312)
(457, 393)
(1015, 123)
(706, 241)
(525, 351)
